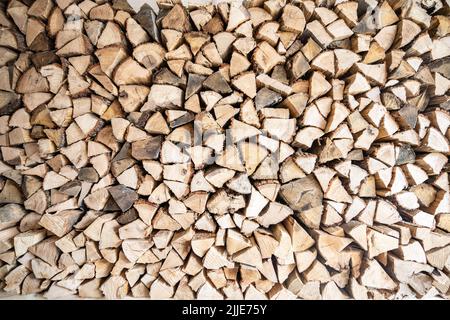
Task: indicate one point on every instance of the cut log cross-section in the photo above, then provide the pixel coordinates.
(225, 149)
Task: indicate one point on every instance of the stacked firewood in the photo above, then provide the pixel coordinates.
(265, 150)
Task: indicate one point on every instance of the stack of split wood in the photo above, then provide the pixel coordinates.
(270, 150)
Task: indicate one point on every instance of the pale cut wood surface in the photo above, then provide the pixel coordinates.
(320, 172)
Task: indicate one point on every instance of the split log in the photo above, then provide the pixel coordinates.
(269, 150)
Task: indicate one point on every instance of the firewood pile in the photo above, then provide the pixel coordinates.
(270, 150)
